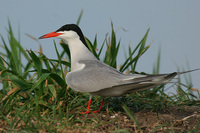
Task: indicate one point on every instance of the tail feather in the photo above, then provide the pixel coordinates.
(152, 78)
(138, 84)
(143, 83)
(159, 77)
(178, 73)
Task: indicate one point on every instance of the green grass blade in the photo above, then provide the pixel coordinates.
(113, 39)
(59, 80)
(37, 62)
(114, 56)
(95, 42)
(14, 52)
(59, 59)
(52, 90)
(2, 66)
(91, 47)
(66, 49)
(130, 58)
(127, 63)
(22, 84)
(62, 62)
(101, 47)
(142, 47)
(8, 53)
(39, 81)
(79, 18)
(156, 67)
(134, 59)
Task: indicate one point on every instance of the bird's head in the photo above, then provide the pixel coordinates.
(66, 32)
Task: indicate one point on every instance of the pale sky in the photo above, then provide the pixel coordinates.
(174, 27)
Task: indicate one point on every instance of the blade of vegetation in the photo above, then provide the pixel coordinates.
(156, 67)
(59, 80)
(141, 51)
(37, 62)
(91, 47)
(79, 18)
(59, 59)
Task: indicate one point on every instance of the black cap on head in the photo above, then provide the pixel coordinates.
(75, 28)
(68, 27)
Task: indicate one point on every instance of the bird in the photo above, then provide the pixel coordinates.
(90, 75)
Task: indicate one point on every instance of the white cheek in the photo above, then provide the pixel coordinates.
(68, 35)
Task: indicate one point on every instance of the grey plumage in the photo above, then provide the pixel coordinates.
(100, 79)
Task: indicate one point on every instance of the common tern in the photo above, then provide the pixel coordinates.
(88, 74)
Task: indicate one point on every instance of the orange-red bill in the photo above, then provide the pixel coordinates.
(52, 34)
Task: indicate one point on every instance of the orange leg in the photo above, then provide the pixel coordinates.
(88, 108)
(99, 107)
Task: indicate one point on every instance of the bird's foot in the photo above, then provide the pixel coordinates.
(88, 108)
(87, 112)
(96, 111)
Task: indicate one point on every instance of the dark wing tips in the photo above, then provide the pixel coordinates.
(171, 75)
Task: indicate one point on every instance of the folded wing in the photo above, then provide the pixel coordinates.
(100, 79)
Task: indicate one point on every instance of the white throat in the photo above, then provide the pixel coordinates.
(78, 52)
